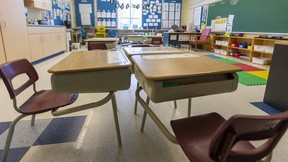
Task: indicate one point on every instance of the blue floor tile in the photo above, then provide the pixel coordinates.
(15, 154)
(212, 56)
(61, 130)
(4, 126)
(266, 108)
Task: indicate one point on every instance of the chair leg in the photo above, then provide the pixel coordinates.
(136, 102)
(175, 104)
(9, 137)
(114, 105)
(268, 158)
(189, 106)
(144, 115)
(33, 120)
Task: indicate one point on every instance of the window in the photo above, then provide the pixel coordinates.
(130, 16)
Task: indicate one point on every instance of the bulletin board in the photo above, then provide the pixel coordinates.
(106, 13)
(151, 14)
(60, 12)
(171, 13)
(84, 10)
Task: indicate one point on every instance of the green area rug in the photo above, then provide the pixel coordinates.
(227, 61)
(250, 80)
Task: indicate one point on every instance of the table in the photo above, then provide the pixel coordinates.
(92, 72)
(179, 78)
(148, 38)
(176, 38)
(131, 51)
(131, 38)
(110, 42)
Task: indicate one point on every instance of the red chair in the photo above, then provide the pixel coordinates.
(156, 40)
(203, 40)
(96, 46)
(211, 138)
(40, 102)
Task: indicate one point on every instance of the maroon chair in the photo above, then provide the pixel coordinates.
(210, 137)
(96, 46)
(203, 40)
(156, 40)
(40, 102)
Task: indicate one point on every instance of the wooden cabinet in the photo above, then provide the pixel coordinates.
(41, 4)
(14, 30)
(58, 41)
(2, 52)
(45, 41)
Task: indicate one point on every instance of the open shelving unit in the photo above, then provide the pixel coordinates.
(258, 48)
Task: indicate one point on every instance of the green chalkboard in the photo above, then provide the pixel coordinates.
(268, 16)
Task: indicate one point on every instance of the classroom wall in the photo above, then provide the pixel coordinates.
(188, 8)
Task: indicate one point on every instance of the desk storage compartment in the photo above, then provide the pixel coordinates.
(93, 81)
(175, 89)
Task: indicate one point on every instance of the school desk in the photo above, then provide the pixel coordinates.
(110, 42)
(92, 72)
(131, 51)
(180, 77)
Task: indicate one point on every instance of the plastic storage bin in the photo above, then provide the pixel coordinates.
(258, 48)
(261, 60)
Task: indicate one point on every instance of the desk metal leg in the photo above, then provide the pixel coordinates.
(33, 120)
(136, 102)
(110, 96)
(114, 105)
(160, 125)
(144, 115)
(175, 104)
(189, 106)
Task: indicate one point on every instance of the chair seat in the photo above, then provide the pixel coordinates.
(46, 100)
(198, 42)
(195, 138)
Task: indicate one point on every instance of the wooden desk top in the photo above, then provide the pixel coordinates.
(101, 40)
(131, 51)
(175, 68)
(91, 61)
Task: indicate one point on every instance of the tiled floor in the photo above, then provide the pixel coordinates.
(90, 135)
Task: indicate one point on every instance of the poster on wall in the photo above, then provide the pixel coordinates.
(60, 12)
(152, 14)
(84, 12)
(106, 13)
(171, 13)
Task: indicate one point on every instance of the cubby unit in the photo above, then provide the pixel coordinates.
(250, 47)
(220, 44)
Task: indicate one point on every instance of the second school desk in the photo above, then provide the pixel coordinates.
(131, 51)
(110, 42)
(92, 72)
(179, 78)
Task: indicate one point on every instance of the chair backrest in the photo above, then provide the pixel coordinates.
(241, 128)
(156, 40)
(205, 35)
(10, 70)
(94, 46)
